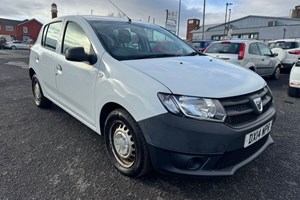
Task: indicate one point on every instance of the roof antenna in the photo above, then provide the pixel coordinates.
(129, 20)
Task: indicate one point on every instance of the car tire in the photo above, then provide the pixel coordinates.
(39, 98)
(125, 144)
(293, 92)
(276, 73)
(13, 47)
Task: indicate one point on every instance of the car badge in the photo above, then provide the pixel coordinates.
(258, 105)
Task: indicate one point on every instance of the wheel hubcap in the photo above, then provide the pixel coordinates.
(37, 93)
(277, 72)
(123, 145)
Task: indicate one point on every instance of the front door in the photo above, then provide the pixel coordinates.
(76, 80)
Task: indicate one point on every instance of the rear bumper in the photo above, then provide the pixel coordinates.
(287, 65)
(186, 146)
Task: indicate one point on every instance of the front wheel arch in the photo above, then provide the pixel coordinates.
(31, 73)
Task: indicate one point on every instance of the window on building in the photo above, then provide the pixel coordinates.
(191, 21)
(25, 29)
(51, 34)
(0, 27)
(9, 28)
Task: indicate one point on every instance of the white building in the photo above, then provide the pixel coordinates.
(256, 27)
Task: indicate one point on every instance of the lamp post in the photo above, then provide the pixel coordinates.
(227, 5)
(203, 20)
(178, 23)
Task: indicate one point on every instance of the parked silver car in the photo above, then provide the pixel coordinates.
(15, 44)
(250, 54)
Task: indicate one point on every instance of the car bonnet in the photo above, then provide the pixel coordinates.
(200, 76)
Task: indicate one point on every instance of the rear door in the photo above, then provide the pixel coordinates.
(255, 58)
(45, 58)
(76, 80)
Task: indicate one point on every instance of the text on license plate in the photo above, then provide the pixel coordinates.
(256, 135)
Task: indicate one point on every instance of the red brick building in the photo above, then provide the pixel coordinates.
(20, 30)
(192, 24)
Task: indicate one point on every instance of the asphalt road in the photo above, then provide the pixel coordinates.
(47, 154)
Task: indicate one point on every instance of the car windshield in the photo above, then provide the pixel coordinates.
(226, 48)
(283, 45)
(127, 41)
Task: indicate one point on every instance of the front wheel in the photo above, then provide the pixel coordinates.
(126, 144)
(13, 47)
(39, 98)
(276, 74)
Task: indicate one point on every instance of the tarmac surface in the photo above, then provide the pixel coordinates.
(48, 154)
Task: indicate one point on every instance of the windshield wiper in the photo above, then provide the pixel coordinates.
(196, 53)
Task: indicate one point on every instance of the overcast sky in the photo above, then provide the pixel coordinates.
(142, 9)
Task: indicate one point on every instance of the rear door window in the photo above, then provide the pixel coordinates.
(52, 35)
(253, 49)
(226, 48)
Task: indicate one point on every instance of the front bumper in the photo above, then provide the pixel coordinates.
(187, 146)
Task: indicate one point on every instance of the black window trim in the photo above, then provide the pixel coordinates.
(44, 38)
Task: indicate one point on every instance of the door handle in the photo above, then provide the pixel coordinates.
(263, 59)
(59, 68)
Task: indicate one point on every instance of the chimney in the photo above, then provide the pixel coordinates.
(54, 10)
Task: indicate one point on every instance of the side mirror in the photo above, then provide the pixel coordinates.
(77, 54)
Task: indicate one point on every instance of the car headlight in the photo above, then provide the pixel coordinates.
(194, 107)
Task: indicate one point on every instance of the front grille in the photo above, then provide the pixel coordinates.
(240, 109)
(234, 157)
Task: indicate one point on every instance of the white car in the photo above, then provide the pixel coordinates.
(15, 44)
(250, 54)
(288, 51)
(157, 102)
(294, 82)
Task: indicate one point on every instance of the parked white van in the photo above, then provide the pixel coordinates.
(158, 103)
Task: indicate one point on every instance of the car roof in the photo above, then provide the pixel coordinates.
(286, 40)
(201, 40)
(238, 41)
(99, 18)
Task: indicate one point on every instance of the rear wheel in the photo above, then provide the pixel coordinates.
(126, 144)
(293, 92)
(13, 47)
(39, 98)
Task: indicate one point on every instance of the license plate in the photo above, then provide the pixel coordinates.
(256, 135)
